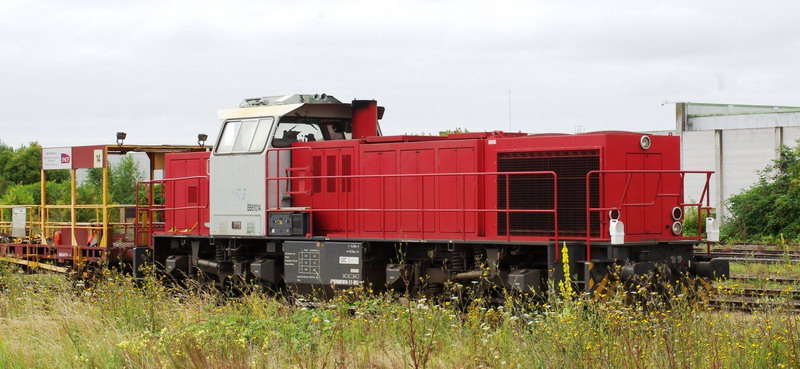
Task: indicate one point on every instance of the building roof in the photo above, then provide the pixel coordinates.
(704, 116)
(712, 109)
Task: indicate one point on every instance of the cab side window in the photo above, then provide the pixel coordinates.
(289, 132)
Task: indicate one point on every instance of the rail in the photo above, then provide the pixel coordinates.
(282, 181)
(32, 223)
(350, 199)
(507, 210)
(658, 193)
(591, 235)
(287, 171)
(50, 236)
(151, 217)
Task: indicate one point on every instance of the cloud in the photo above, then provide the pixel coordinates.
(75, 73)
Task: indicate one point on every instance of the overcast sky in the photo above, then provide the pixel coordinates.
(75, 72)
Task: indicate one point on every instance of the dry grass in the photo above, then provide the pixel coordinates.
(45, 323)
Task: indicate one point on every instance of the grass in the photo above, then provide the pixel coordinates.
(764, 270)
(47, 323)
(761, 275)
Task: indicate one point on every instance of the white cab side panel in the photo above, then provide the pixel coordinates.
(238, 191)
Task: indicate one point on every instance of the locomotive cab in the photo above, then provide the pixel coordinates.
(261, 131)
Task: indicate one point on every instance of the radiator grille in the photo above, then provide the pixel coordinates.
(536, 192)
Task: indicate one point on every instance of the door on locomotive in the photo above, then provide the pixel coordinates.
(255, 143)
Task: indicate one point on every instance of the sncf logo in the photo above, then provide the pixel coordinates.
(64, 158)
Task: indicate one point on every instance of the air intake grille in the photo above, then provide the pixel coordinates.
(536, 192)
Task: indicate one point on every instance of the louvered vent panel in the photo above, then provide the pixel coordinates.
(527, 191)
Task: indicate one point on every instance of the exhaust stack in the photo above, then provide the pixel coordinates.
(365, 118)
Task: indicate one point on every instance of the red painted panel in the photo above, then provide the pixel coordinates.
(324, 195)
(417, 192)
(645, 188)
(377, 198)
(653, 185)
(84, 157)
(379, 193)
(334, 192)
(422, 192)
(186, 195)
(347, 189)
(633, 216)
(468, 160)
(388, 165)
(457, 192)
(449, 193)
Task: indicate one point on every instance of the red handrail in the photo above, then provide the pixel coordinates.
(153, 208)
(629, 174)
(382, 177)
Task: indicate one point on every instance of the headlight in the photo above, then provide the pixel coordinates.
(677, 228)
(677, 213)
(644, 142)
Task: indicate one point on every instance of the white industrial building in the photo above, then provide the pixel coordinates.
(736, 141)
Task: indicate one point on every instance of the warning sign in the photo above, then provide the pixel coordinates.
(18, 218)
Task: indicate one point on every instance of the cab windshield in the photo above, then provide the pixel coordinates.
(244, 136)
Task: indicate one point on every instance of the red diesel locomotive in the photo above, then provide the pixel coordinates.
(302, 191)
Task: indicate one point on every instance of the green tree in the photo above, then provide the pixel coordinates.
(5, 156)
(23, 166)
(122, 180)
(94, 177)
(21, 195)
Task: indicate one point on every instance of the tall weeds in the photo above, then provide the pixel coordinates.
(45, 322)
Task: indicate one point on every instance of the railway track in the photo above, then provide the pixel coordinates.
(787, 294)
(758, 299)
(793, 251)
(768, 278)
(752, 255)
(753, 305)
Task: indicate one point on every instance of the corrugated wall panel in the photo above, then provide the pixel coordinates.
(699, 153)
(791, 135)
(744, 152)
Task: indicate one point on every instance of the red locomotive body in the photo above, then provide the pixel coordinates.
(456, 187)
(302, 191)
